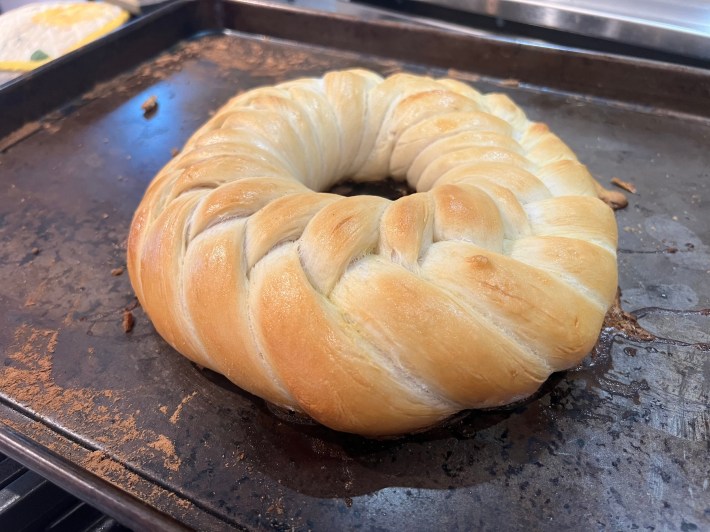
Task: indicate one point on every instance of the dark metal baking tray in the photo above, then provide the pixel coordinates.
(123, 421)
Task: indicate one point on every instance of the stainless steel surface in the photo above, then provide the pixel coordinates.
(681, 27)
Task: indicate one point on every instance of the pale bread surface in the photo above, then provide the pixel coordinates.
(373, 316)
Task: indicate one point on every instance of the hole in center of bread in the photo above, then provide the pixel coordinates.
(385, 188)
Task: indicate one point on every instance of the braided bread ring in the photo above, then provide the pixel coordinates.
(373, 316)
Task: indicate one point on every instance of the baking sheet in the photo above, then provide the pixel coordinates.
(620, 442)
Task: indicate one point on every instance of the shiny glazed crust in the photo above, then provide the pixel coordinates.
(373, 316)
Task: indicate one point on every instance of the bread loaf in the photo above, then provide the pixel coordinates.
(373, 316)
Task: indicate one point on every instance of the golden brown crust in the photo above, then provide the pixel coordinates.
(373, 316)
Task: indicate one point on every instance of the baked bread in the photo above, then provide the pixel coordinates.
(373, 316)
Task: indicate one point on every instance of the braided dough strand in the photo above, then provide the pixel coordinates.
(373, 316)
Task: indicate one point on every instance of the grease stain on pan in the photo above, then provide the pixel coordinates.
(692, 253)
(680, 296)
(655, 382)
